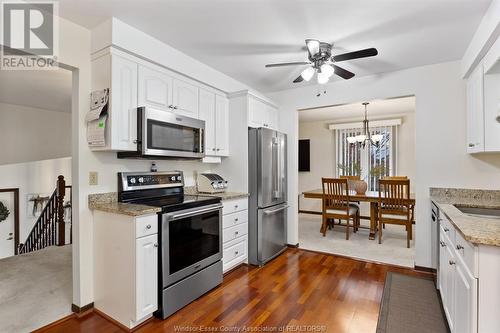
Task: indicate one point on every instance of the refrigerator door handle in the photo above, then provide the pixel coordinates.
(269, 212)
(276, 170)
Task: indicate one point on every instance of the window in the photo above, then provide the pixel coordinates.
(369, 159)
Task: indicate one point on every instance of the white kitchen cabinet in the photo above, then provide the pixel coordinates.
(155, 89)
(449, 280)
(465, 293)
(119, 74)
(185, 98)
(207, 113)
(146, 275)
(214, 110)
(234, 233)
(261, 114)
(491, 66)
(475, 111)
(222, 125)
(126, 266)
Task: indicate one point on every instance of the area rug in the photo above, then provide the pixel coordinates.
(410, 304)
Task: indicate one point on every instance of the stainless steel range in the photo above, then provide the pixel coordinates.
(190, 236)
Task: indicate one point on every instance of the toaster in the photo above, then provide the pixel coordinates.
(211, 183)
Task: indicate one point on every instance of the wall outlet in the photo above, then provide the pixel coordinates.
(93, 180)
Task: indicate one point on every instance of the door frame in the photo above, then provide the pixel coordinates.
(16, 216)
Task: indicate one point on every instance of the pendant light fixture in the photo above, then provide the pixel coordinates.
(365, 136)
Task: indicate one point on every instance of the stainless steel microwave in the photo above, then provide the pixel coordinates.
(168, 135)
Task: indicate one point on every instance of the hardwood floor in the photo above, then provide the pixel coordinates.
(300, 287)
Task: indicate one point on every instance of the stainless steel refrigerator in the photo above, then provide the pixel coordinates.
(267, 214)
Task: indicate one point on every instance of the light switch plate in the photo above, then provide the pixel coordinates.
(93, 180)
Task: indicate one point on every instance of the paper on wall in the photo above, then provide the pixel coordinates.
(96, 130)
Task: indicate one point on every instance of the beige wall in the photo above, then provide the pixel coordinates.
(323, 163)
(31, 134)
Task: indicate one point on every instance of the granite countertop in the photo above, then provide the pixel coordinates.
(108, 202)
(477, 230)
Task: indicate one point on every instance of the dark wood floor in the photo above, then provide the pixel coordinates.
(298, 288)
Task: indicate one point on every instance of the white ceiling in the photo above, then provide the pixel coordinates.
(379, 108)
(238, 37)
(44, 89)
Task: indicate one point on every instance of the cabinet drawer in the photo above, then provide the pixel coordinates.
(448, 229)
(146, 225)
(234, 232)
(233, 219)
(233, 206)
(236, 252)
(467, 252)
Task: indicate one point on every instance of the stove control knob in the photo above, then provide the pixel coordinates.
(172, 178)
(179, 178)
(132, 180)
(141, 179)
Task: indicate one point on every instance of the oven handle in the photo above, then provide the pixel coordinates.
(188, 213)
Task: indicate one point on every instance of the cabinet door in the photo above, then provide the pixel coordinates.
(465, 302)
(257, 114)
(222, 125)
(185, 98)
(492, 112)
(207, 113)
(475, 111)
(272, 116)
(442, 263)
(155, 89)
(146, 276)
(123, 114)
(448, 285)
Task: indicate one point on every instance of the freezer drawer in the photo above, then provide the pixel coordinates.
(271, 228)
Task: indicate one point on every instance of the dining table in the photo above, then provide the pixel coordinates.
(369, 196)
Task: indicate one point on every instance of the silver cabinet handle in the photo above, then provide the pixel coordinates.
(170, 106)
(497, 119)
(236, 252)
(135, 141)
(217, 149)
(235, 206)
(155, 245)
(236, 220)
(451, 262)
(459, 247)
(446, 229)
(213, 149)
(236, 232)
(471, 145)
(10, 238)
(148, 226)
(175, 107)
(443, 244)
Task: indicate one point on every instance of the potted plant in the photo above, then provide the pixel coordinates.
(354, 169)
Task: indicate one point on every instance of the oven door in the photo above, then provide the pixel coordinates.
(191, 240)
(165, 133)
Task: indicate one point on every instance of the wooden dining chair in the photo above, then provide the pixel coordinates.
(394, 206)
(336, 204)
(399, 178)
(350, 177)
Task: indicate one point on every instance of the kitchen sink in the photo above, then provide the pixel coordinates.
(480, 212)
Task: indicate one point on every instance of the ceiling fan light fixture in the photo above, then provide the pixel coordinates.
(351, 139)
(307, 73)
(327, 70)
(312, 46)
(323, 78)
(377, 137)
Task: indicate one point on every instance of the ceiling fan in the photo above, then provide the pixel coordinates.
(322, 61)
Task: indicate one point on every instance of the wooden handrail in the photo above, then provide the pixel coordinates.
(49, 229)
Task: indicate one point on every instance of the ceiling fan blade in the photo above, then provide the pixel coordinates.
(343, 73)
(288, 64)
(298, 79)
(312, 47)
(356, 54)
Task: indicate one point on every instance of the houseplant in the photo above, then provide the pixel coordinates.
(354, 169)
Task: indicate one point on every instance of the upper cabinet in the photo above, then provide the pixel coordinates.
(483, 104)
(155, 89)
(261, 114)
(214, 110)
(134, 83)
(119, 74)
(475, 111)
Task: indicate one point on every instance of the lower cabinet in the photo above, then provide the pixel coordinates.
(234, 233)
(458, 282)
(126, 267)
